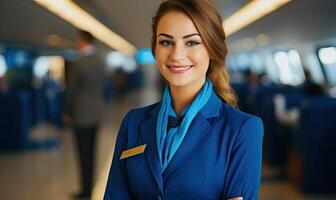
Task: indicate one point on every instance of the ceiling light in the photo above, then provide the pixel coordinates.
(250, 13)
(75, 15)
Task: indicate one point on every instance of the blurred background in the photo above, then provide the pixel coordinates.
(282, 61)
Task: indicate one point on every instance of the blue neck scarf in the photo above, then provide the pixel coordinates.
(169, 141)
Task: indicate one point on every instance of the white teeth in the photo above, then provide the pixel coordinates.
(181, 68)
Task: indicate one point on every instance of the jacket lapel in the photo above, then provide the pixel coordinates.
(197, 134)
(148, 134)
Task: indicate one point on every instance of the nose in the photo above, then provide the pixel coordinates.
(178, 52)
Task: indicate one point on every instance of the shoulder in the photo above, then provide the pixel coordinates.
(244, 125)
(226, 119)
(237, 117)
(134, 120)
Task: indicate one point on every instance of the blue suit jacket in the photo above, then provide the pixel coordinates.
(219, 158)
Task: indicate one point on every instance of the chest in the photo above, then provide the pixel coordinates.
(200, 175)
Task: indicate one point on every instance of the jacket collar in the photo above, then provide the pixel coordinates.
(212, 107)
(198, 132)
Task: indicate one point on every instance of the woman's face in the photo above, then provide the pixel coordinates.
(181, 55)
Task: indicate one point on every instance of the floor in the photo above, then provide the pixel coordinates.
(52, 174)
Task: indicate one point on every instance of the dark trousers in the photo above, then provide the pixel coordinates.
(86, 137)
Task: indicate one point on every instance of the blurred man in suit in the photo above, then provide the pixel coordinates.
(84, 105)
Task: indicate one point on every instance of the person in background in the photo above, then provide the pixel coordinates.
(84, 106)
(291, 116)
(3, 85)
(194, 144)
(309, 87)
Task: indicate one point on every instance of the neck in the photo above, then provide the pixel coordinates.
(182, 96)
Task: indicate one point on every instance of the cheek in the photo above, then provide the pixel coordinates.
(202, 58)
(160, 61)
(160, 56)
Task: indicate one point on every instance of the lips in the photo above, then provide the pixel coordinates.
(179, 69)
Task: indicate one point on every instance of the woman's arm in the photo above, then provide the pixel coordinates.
(244, 172)
(117, 183)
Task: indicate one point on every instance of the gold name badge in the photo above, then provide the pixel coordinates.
(132, 152)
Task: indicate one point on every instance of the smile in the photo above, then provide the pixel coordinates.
(179, 69)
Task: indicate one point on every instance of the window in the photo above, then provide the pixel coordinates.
(327, 56)
(117, 59)
(52, 64)
(289, 67)
(243, 62)
(3, 66)
(257, 65)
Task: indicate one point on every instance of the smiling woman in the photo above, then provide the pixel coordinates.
(193, 144)
(182, 57)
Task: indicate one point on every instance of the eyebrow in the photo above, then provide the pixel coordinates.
(184, 37)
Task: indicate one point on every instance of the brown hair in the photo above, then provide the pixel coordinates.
(209, 24)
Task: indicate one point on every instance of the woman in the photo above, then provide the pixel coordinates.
(193, 144)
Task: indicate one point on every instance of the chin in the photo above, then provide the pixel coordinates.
(180, 82)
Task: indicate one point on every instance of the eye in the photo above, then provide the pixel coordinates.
(192, 43)
(165, 43)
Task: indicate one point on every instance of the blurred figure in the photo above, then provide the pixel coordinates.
(252, 87)
(3, 84)
(309, 87)
(291, 116)
(84, 105)
(264, 80)
(252, 80)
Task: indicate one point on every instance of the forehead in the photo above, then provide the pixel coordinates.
(176, 24)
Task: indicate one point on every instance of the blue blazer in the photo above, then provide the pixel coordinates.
(219, 158)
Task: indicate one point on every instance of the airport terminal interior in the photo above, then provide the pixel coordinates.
(282, 65)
